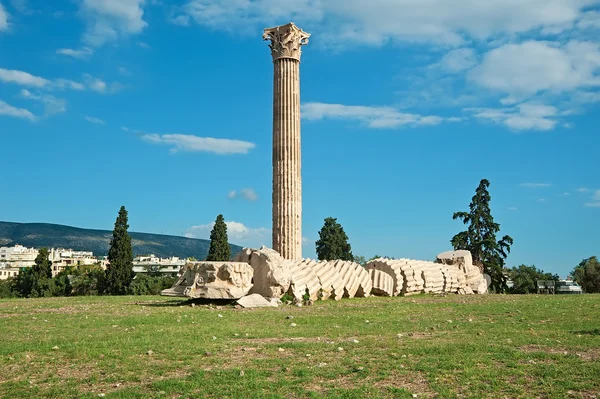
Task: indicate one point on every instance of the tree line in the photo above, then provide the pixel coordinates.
(480, 238)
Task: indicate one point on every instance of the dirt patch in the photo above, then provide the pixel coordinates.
(63, 310)
(589, 355)
(413, 382)
(281, 340)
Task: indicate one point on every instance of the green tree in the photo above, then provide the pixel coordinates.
(61, 284)
(88, 280)
(525, 279)
(24, 282)
(587, 275)
(7, 287)
(119, 272)
(333, 242)
(41, 275)
(480, 237)
(219, 250)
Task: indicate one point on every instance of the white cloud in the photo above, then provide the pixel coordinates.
(26, 79)
(3, 19)
(535, 185)
(373, 116)
(9, 110)
(590, 20)
(237, 233)
(182, 20)
(97, 85)
(526, 116)
(458, 60)
(542, 200)
(246, 193)
(375, 22)
(583, 190)
(595, 200)
(109, 20)
(532, 67)
(144, 45)
(82, 54)
(185, 142)
(68, 84)
(22, 78)
(124, 71)
(52, 105)
(96, 121)
(513, 208)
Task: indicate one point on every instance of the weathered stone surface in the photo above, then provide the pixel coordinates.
(414, 276)
(255, 301)
(213, 280)
(383, 283)
(332, 286)
(304, 279)
(391, 268)
(271, 277)
(482, 288)
(286, 42)
(357, 281)
(464, 261)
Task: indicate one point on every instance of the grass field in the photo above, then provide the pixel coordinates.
(491, 346)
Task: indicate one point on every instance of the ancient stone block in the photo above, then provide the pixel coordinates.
(213, 280)
(391, 268)
(303, 279)
(383, 283)
(255, 301)
(471, 274)
(271, 278)
(356, 279)
(331, 284)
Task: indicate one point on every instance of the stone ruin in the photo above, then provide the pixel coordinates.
(264, 272)
(213, 280)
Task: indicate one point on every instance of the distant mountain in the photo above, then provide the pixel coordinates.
(98, 241)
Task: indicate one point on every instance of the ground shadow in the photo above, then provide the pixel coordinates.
(595, 331)
(186, 302)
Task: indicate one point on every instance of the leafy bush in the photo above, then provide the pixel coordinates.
(143, 284)
(7, 288)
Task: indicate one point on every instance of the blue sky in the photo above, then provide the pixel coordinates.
(165, 107)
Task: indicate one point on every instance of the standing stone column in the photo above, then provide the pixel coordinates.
(286, 41)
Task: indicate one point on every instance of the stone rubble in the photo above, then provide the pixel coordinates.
(265, 277)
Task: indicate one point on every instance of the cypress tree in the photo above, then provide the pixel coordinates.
(219, 250)
(40, 276)
(333, 242)
(119, 272)
(480, 237)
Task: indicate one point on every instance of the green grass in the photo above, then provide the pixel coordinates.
(491, 346)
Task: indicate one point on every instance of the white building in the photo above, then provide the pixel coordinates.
(152, 263)
(62, 258)
(17, 256)
(8, 272)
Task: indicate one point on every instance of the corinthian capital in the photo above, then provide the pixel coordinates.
(286, 41)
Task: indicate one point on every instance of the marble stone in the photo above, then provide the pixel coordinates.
(213, 280)
(286, 42)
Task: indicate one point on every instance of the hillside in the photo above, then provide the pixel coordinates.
(55, 235)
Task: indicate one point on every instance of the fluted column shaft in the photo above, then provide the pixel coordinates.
(286, 42)
(287, 179)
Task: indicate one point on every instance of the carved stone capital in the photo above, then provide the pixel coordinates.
(286, 41)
